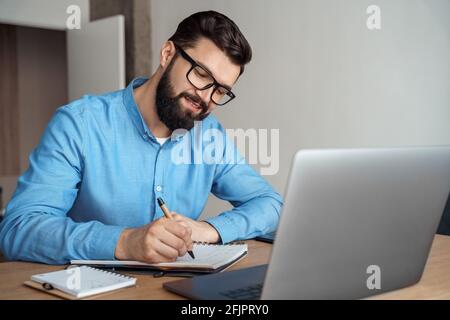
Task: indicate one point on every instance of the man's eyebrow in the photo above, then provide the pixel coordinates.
(210, 72)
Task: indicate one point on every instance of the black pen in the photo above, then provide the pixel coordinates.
(166, 212)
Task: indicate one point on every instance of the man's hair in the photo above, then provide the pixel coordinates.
(219, 29)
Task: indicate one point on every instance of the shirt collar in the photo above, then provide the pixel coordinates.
(133, 110)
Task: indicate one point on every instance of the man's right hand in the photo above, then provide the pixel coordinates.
(162, 240)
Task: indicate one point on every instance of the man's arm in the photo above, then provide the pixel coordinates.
(36, 226)
(256, 205)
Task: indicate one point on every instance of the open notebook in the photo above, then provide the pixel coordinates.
(79, 282)
(209, 258)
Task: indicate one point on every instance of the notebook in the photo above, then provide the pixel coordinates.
(209, 258)
(80, 282)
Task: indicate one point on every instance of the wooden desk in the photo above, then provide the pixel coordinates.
(435, 283)
(13, 274)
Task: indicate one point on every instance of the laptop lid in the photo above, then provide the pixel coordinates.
(357, 222)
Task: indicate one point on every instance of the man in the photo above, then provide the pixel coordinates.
(92, 186)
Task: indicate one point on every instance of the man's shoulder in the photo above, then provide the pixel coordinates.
(211, 122)
(95, 103)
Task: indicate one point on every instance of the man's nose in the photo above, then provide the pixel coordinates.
(205, 95)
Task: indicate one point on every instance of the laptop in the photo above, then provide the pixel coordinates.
(356, 222)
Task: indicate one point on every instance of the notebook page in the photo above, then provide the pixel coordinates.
(208, 256)
(91, 281)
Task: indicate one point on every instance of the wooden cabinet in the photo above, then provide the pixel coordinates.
(9, 116)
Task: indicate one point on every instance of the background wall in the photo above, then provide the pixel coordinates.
(325, 80)
(318, 74)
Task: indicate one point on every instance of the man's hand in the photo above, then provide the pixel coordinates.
(162, 240)
(201, 230)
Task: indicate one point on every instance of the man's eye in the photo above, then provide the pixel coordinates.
(201, 73)
(221, 91)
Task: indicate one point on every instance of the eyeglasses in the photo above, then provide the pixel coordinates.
(202, 79)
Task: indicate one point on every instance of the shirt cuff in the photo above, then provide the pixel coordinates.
(104, 246)
(224, 226)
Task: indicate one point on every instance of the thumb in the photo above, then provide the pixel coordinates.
(176, 216)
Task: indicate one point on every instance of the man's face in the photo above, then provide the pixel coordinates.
(178, 102)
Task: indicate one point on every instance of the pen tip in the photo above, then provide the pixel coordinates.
(160, 201)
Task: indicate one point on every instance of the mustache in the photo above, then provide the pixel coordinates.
(196, 99)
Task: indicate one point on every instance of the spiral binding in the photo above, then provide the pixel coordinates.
(101, 270)
(218, 244)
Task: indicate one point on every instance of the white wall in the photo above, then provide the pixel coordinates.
(96, 57)
(321, 77)
(325, 80)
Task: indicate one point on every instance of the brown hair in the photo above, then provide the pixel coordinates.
(219, 29)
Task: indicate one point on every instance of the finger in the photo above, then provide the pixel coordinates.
(177, 216)
(168, 252)
(174, 242)
(187, 226)
(178, 228)
(190, 245)
(187, 238)
(157, 258)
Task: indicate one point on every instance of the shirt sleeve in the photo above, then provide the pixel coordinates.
(256, 205)
(36, 226)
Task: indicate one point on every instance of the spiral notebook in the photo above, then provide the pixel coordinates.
(80, 282)
(209, 258)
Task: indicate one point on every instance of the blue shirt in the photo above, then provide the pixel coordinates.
(98, 169)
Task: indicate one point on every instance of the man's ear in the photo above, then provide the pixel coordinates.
(168, 51)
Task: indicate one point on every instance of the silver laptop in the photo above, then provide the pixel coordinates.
(355, 223)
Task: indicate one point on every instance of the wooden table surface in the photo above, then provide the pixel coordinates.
(13, 274)
(435, 283)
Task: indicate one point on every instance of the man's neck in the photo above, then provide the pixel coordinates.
(145, 97)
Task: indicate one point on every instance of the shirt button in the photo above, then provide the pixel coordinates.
(158, 188)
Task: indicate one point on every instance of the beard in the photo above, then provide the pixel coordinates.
(169, 108)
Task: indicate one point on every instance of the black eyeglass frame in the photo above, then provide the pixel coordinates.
(216, 84)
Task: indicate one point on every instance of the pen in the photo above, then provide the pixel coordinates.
(166, 211)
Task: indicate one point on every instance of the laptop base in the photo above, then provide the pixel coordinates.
(242, 284)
